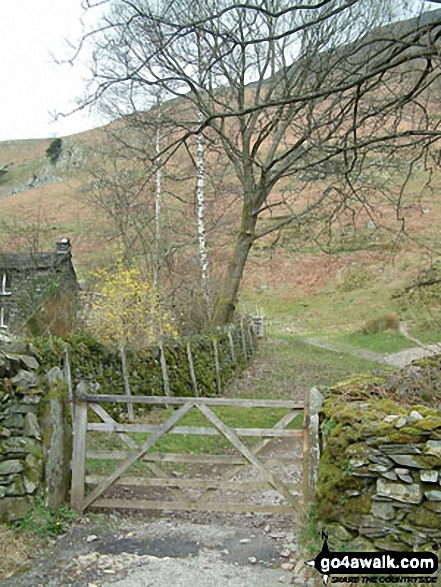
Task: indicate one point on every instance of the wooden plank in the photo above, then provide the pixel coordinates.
(107, 418)
(132, 444)
(192, 372)
(185, 458)
(194, 505)
(193, 430)
(188, 483)
(245, 451)
(133, 457)
(209, 401)
(280, 425)
(287, 419)
(79, 457)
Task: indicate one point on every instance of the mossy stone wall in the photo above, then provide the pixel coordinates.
(100, 367)
(379, 479)
(35, 437)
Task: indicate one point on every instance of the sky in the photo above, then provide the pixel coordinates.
(32, 85)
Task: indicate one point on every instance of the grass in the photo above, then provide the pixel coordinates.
(16, 551)
(18, 544)
(310, 540)
(286, 367)
(381, 342)
(296, 366)
(47, 523)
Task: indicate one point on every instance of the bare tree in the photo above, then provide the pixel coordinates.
(120, 186)
(328, 89)
(157, 254)
(28, 231)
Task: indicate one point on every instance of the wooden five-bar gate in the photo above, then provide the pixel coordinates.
(236, 473)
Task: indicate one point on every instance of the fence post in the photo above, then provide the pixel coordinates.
(244, 342)
(192, 373)
(231, 341)
(125, 373)
(164, 370)
(217, 366)
(251, 336)
(79, 456)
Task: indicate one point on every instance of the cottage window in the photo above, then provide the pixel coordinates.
(2, 319)
(3, 291)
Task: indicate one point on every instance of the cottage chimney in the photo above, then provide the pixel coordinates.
(64, 246)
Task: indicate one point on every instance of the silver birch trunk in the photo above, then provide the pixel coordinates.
(157, 261)
(200, 198)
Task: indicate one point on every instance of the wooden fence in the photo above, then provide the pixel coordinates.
(224, 352)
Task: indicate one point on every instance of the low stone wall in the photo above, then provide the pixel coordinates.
(35, 435)
(379, 480)
(199, 365)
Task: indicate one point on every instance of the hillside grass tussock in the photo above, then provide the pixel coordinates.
(381, 323)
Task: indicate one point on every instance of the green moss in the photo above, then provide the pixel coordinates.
(357, 449)
(327, 426)
(424, 517)
(100, 365)
(431, 362)
(342, 436)
(354, 411)
(429, 423)
(426, 411)
(357, 383)
(358, 505)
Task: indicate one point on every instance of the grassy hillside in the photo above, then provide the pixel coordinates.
(303, 279)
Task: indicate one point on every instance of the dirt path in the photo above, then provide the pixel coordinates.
(399, 359)
(233, 551)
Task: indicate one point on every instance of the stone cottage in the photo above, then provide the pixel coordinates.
(34, 285)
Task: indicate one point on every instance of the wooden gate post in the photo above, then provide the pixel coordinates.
(79, 457)
(306, 454)
(311, 446)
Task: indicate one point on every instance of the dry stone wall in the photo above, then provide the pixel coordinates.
(379, 481)
(35, 426)
(35, 437)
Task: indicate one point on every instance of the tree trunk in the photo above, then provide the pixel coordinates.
(200, 197)
(227, 300)
(157, 260)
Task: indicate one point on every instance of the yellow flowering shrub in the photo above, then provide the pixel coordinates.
(128, 309)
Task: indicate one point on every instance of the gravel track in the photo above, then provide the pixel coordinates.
(215, 551)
